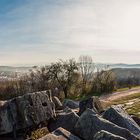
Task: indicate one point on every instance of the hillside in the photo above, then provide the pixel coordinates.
(10, 71)
(126, 72)
(13, 69)
(122, 65)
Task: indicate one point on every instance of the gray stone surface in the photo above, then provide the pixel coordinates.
(70, 103)
(104, 135)
(67, 120)
(60, 134)
(89, 124)
(136, 119)
(57, 102)
(26, 111)
(120, 117)
(91, 103)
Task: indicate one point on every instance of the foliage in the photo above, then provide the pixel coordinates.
(132, 108)
(104, 80)
(86, 68)
(39, 133)
(63, 72)
(127, 77)
(67, 77)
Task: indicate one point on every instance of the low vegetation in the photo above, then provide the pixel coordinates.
(70, 78)
(127, 77)
(131, 103)
(134, 108)
(39, 133)
(67, 79)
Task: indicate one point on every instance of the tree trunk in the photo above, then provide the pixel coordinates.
(65, 92)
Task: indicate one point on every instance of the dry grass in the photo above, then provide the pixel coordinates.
(127, 88)
(39, 133)
(133, 108)
(122, 89)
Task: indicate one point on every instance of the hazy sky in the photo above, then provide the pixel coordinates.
(41, 31)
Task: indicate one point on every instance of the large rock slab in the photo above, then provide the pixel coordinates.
(26, 111)
(120, 117)
(60, 134)
(104, 135)
(57, 102)
(136, 119)
(91, 103)
(71, 104)
(89, 124)
(67, 120)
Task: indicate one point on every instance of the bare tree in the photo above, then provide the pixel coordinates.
(63, 72)
(104, 79)
(86, 67)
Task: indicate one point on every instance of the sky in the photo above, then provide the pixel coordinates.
(43, 31)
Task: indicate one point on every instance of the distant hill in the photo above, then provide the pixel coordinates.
(14, 69)
(124, 73)
(120, 69)
(121, 65)
(25, 68)
(11, 71)
(118, 65)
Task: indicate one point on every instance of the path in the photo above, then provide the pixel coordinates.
(118, 95)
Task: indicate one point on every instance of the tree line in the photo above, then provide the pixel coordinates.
(68, 77)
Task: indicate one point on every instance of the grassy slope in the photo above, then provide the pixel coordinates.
(131, 103)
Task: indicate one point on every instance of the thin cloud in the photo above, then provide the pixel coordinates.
(46, 30)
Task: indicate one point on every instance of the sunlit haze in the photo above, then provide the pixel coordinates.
(42, 31)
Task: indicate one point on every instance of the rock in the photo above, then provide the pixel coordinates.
(91, 103)
(10, 138)
(60, 134)
(89, 124)
(70, 103)
(26, 111)
(120, 117)
(67, 110)
(136, 119)
(67, 120)
(57, 102)
(37, 133)
(104, 135)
